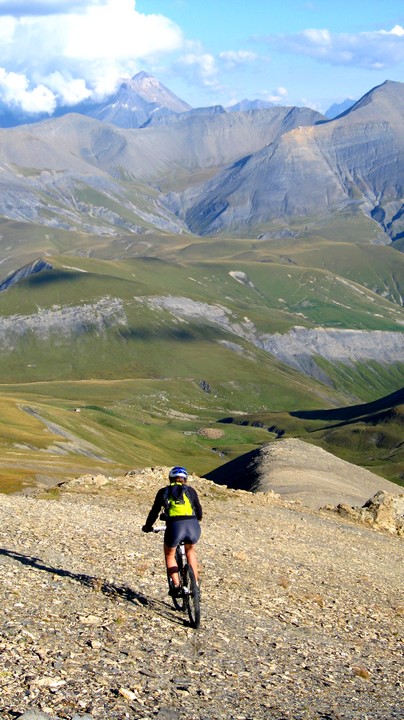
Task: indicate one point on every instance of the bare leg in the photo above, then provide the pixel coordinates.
(171, 564)
(191, 557)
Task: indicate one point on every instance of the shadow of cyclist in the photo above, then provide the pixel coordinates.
(90, 581)
(160, 607)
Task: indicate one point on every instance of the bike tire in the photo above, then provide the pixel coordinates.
(192, 597)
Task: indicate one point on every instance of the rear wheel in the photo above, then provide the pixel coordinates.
(178, 600)
(192, 597)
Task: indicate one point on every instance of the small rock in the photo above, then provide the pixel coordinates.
(127, 694)
(52, 683)
(90, 620)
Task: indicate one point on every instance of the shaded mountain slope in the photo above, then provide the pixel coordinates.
(354, 412)
(75, 173)
(354, 160)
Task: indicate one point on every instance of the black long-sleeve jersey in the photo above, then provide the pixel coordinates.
(159, 504)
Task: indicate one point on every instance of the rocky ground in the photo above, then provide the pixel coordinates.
(302, 610)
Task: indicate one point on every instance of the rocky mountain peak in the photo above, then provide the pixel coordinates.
(153, 91)
(386, 99)
(136, 101)
(144, 77)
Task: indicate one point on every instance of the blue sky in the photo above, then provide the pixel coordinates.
(291, 52)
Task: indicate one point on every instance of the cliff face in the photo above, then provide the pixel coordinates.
(301, 610)
(63, 321)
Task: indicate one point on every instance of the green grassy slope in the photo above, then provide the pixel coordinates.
(134, 393)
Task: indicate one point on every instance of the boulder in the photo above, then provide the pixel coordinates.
(383, 511)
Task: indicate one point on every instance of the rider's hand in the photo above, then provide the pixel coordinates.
(147, 529)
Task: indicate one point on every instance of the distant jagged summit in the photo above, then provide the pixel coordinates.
(153, 91)
(246, 105)
(136, 101)
(337, 109)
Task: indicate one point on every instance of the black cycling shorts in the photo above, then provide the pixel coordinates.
(187, 530)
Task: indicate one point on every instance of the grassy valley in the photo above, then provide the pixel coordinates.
(99, 375)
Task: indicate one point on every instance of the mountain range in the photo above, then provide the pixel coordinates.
(138, 102)
(134, 103)
(210, 171)
(245, 263)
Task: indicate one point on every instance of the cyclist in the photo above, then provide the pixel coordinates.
(182, 512)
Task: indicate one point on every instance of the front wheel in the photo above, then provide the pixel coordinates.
(192, 597)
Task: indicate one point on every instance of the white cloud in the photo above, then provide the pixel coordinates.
(117, 32)
(276, 96)
(70, 91)
(77, 49)
(199, 66)
(14, 91)
(202, 68)
(7, 28)
(372, 50)
(396, 30)
(236, 58)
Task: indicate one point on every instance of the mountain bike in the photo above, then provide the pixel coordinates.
(188, 598)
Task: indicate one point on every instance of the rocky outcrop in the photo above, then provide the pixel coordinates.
(299, 347)
(383, 511)
(63, 321)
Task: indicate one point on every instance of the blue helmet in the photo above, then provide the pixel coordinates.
(178, 472)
